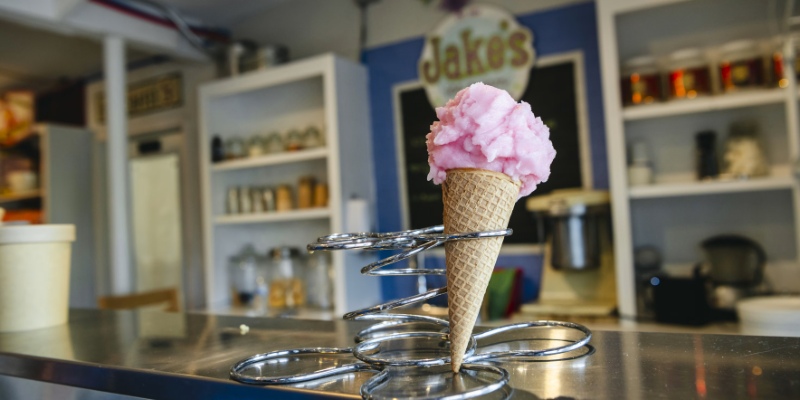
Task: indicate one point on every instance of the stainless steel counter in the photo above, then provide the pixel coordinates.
(187, 356)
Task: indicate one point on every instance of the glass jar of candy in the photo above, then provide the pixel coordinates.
(689, 74)
(641, 81)
(741, 66)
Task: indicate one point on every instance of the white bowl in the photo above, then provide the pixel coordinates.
(770, 315)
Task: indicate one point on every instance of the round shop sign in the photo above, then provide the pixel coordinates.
(478, 44)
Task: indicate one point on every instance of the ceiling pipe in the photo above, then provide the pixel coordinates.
(117, 165)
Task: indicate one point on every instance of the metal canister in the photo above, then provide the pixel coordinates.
(305, 193)
(321, 195)
(283, 198)
(578, 222)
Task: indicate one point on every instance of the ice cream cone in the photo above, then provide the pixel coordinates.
(474, 200)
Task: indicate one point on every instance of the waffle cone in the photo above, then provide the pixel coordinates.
(474, 200)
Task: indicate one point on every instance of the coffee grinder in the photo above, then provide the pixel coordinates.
(578, 269)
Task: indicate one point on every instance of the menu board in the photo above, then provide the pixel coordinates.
(552, 96)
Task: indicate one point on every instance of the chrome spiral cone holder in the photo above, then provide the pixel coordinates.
(388, 349)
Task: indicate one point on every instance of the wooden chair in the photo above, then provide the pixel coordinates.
(167, 296)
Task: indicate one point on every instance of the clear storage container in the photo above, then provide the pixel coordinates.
(286, 288)
(741, 66)
(641, 81)
(689, 74)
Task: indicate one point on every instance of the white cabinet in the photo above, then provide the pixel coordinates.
(326, 92)
(677, 212)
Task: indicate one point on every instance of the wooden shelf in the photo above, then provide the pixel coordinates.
(704, 104)
(271, 159)
(31, 194)
(281, 216)
(712, 187)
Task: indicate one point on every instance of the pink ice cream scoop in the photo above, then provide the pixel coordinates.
(484, 128)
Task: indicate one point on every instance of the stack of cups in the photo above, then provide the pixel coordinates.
(34, 276)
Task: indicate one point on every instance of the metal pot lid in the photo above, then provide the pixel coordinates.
(568, 199)
(37, 233)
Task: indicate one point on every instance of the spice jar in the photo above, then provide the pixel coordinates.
(245, 201)
(305, 192)
(232, 200)
(641, 81)
(689, 75)
(283, 198)
(741, 66)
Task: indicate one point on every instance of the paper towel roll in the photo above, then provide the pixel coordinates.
(358, 216)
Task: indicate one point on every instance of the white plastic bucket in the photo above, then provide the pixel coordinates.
(34, 275)
(770, 316)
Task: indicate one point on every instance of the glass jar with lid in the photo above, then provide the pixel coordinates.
(641, 81)
(294, 140)
(255, 146)
(777, 76)
(234, 148)
(305, 192)
(248, 278)
(273, 143)
(741, 66)
(319, 279)
(689, 74)
(313, 138)
(286, 288)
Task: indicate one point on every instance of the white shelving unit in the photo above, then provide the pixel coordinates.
(677, 212)
(713, 187)
(284, 216)
(705, 104)
(326, 92)
(272, 159)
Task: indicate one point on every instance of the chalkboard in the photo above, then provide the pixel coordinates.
(551, 94)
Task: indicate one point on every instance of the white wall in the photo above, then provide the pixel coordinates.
(310, 27)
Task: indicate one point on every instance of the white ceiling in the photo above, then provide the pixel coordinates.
(36, 58)
(223, 13)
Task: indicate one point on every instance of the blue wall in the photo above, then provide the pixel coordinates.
(555, 31)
